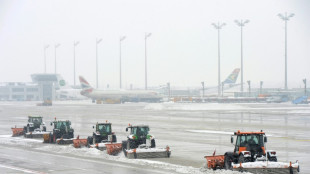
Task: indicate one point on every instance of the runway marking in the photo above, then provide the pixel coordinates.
(21, 169)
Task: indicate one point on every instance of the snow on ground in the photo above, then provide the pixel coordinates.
(210, 132)
(193, 106)
(93, 153)
(227, 107)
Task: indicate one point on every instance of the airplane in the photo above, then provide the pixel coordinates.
(228, 83)
(66, 92)
(118, 96)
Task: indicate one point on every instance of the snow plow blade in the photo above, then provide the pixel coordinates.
(267, 167)
(78, 143)
(62, 141)
(113, 148)
(214, 162)
(17, 132)
(148, 153)
(36, 134)
(99, 146)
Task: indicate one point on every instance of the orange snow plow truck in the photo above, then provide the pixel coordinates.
(250, 155)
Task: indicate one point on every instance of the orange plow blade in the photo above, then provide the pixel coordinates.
(214, 162)
(77, 143)
(113, 148)
(17, 132)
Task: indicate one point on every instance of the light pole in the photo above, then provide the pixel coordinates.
(241, 24)
(285, 18)
(120, 60)
(45, 48)
(305, 82)
(75, 43)
(261, 87)
(56, 46)
(145, 38)
(169, 91)
(203, 89)
(219, 26)
(249, 83)
(97, 42)
(223, 89)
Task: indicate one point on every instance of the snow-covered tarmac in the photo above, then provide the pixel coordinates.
(191, 130)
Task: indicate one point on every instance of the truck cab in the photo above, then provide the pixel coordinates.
(34, 122)
(62, 129)
(102, 133)
(139, 135)
(250, 146)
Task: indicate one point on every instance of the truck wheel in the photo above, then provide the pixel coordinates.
(227, 163)
(124, 147)
(94, 140)
(241, 159)
(114, 138)
(153, 145)
(274, 159)
(131, 144)
(89, 141)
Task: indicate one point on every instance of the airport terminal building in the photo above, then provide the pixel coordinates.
(42, 87)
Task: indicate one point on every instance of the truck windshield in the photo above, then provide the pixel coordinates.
(140, 130)
(104, 128)
(60, 125)
(35, 119)
(254, 139)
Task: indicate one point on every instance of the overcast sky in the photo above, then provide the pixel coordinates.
(182, 49)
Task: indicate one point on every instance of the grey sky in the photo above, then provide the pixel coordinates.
(182, 48)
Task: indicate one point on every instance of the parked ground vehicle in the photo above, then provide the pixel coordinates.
(250, 155)
(62, 133)
(141, 144)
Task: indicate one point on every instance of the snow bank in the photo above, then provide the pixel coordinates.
(138, 150)
(265, 165)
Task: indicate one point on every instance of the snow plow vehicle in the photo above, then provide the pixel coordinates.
(101, 134)
(103, 139)
(250, 155)
(35, 128)
(62, 133)
(141, 144)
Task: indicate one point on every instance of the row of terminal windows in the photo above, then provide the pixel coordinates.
(22, 89)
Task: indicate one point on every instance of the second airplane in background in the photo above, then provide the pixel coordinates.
(118, 96)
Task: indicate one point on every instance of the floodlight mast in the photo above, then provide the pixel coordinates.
(219, 26)
(285, 18)
(241, 24)
(75, 43)
(145, 38)
(97, 42)
(56, 46)
(45, 48)
(120, 60)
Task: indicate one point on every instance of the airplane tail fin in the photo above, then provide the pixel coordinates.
(232, 78)
(61, 83)
(84, 83)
